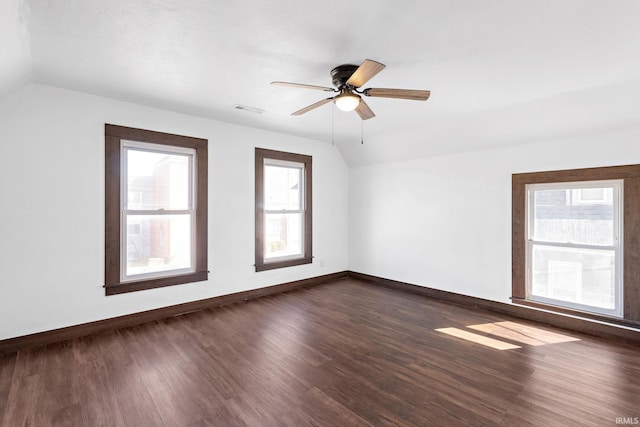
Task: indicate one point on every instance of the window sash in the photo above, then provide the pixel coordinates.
(616, 311)
(190, 153)
(615, 184)
(284, 164)
(299, 253)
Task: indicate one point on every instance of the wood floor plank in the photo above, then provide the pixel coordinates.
(98, 397)
(23, 400)
(318, 408)
(7, 367)
(342, 353)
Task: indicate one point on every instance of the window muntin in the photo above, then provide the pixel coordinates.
(283, 209)
(155, 209)
(574, 247)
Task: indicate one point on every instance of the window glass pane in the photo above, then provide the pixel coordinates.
(579, 276)
(157, 180)
(591, 195)
(157, 243)
(282, 187)
(283, 235)
(583, 216)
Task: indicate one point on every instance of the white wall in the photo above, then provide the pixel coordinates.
(52, 211)
(15, 45)
(445, 222)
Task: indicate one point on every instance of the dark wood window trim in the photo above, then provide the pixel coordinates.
(630, 174)
(113, 136)
(261, 154)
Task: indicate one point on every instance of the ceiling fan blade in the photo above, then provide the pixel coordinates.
(365, 72)
(304, 86)
(311, 107)
(418, 95)
(364, 111)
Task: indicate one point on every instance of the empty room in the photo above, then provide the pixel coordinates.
(299, 213)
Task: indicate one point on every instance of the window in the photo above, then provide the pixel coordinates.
(155, 209)
(283, 209)
(574, 246)
(575, 243)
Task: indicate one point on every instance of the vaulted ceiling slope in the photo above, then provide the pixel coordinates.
(500, 71)
(15, 46)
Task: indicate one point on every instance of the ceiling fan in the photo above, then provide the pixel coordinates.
(348, 79)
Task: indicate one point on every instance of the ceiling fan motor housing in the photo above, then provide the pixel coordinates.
(341, 74)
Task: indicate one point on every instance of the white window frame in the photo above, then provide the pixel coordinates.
(301, 203)
(617, 247)
(125, 146)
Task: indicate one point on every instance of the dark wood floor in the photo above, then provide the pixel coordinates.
(347, 353)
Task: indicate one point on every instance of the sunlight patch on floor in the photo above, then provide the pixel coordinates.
(511, 331)
(522, 333)
(479, 339)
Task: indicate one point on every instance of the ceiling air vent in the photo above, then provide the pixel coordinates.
(248, 109)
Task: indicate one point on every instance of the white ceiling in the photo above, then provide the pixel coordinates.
(500, 71)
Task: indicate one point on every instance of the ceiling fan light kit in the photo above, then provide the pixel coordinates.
(347, 100)
(347, 79)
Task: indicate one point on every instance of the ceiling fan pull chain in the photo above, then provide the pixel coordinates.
(333, 125)
(362, 132)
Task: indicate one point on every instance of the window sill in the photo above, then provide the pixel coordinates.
(155, 283)
(283, 264)
(576, 313)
